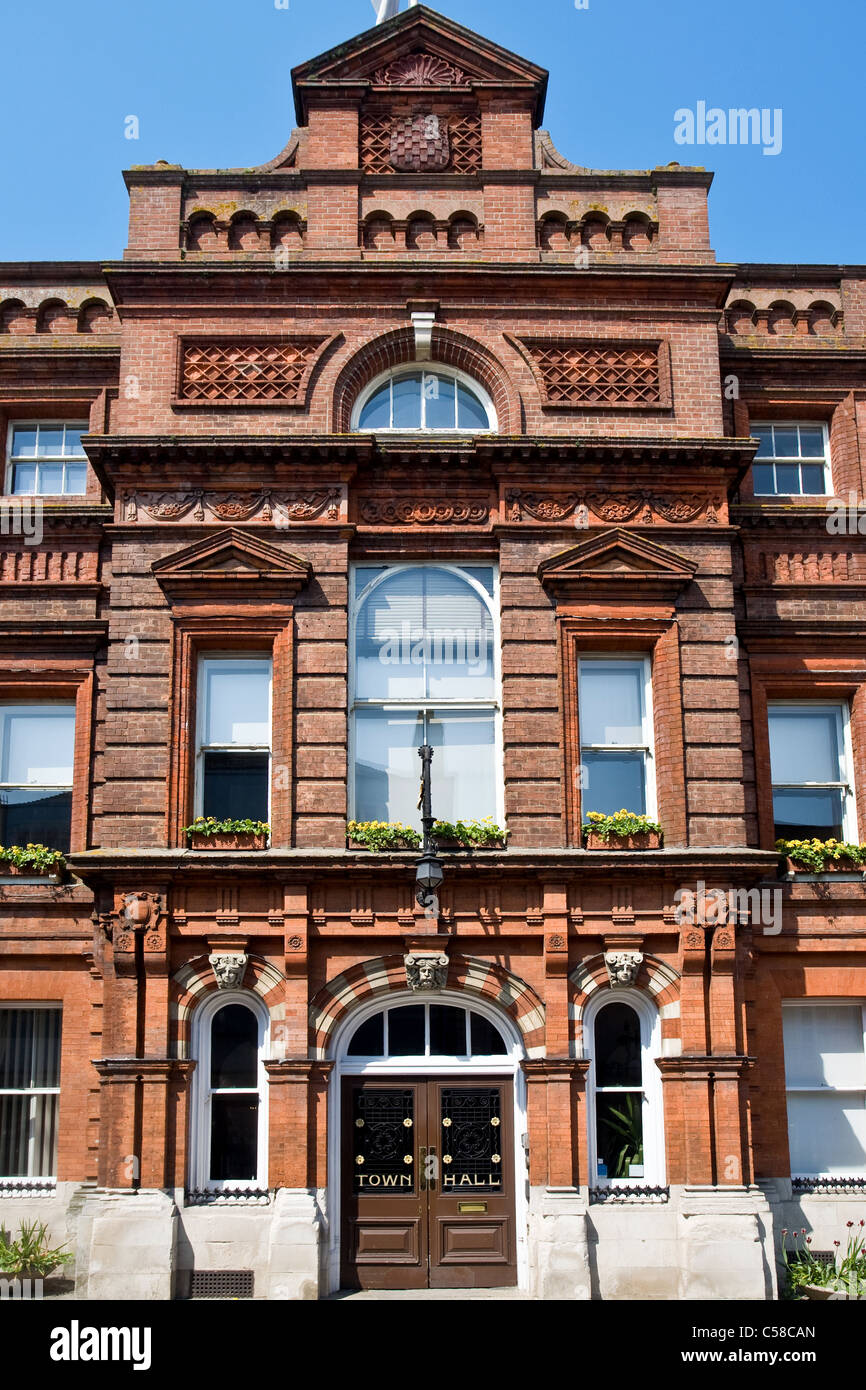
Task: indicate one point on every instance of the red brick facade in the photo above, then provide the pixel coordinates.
(229, 495)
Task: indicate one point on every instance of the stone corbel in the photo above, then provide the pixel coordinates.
(623, 967)
(229, 968)
(426, 970)
(422, 324)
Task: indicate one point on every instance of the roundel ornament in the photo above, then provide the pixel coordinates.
(420, 142)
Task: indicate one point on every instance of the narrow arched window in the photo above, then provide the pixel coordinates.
(626, 1131)
(230, 1130)
(435, 398)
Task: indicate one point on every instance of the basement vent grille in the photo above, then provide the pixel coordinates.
(821, 1257)
(221, 1283)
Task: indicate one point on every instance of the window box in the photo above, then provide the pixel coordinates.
(228, 840)
(649, 839)
(622, 830)
(10, 870)
(381, 836)
(469, 835)
(32, 861)
(822, 857)
(451, 843)
(832, 866)
(226, 835)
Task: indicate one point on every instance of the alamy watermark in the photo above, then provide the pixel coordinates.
(408, 645)
(846, 519)
(715, 907)
(22, 516)
(735, 126)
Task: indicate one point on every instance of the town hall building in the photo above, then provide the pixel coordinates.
(421, 439)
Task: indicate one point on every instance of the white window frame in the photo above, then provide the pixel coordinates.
(200, 1100)
(653, 1102)
(15, 1179)
(6, 705)
(841, 1003)
(427, 1061)
(846, 758)
(647, 727)
(494, 703)
(201, 717)
(783, 458)
(64, 459)
(432, 368)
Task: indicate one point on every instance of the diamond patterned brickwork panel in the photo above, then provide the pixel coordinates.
(598, 373)
(466, 145)
(463, 134)
(246, 371)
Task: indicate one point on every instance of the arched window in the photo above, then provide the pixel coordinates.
(624, 1092)
(410, 1030)
(435, 398)
(425, 670)
(229, 1139)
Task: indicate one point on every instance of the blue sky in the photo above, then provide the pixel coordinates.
(209, 82)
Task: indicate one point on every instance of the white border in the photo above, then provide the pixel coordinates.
(846, 757)
(54, 458)
(648, 747)
(201, 715)
(785, 458)
(492, 602)
(653, 1118)
(438, 369)
(840, 1002)
(411, 1067)
(199, 1127)
(32, 1092)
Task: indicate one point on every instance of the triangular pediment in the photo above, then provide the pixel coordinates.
(418, 49)
(230, 560)
(617, 558)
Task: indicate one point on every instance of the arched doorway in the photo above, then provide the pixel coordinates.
(427, 1167)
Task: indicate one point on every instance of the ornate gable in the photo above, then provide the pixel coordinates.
(418, 49)
(618, 565)
(231, 565)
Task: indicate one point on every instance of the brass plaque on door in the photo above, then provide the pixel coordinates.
(471, 1206)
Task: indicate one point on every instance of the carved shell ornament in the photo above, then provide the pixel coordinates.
(420, 70)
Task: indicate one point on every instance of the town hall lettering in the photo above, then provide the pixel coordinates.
(383, 1179)
(470, 1180)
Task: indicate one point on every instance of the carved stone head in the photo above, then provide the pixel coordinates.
(228, 969)
(623, 967)
(426, 971)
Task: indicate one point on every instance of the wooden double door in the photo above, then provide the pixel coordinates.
(428, 1183)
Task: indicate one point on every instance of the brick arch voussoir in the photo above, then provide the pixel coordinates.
(451, 349)
(387, 975)
(657, 978)
(194, 981)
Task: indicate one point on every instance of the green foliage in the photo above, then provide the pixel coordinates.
(847, 1274)
(470, 832)
(817, 854)
(626, 1125)
(30, 1254)
(381, 834)
(620, 823)
(209, 825)
(38, 857)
